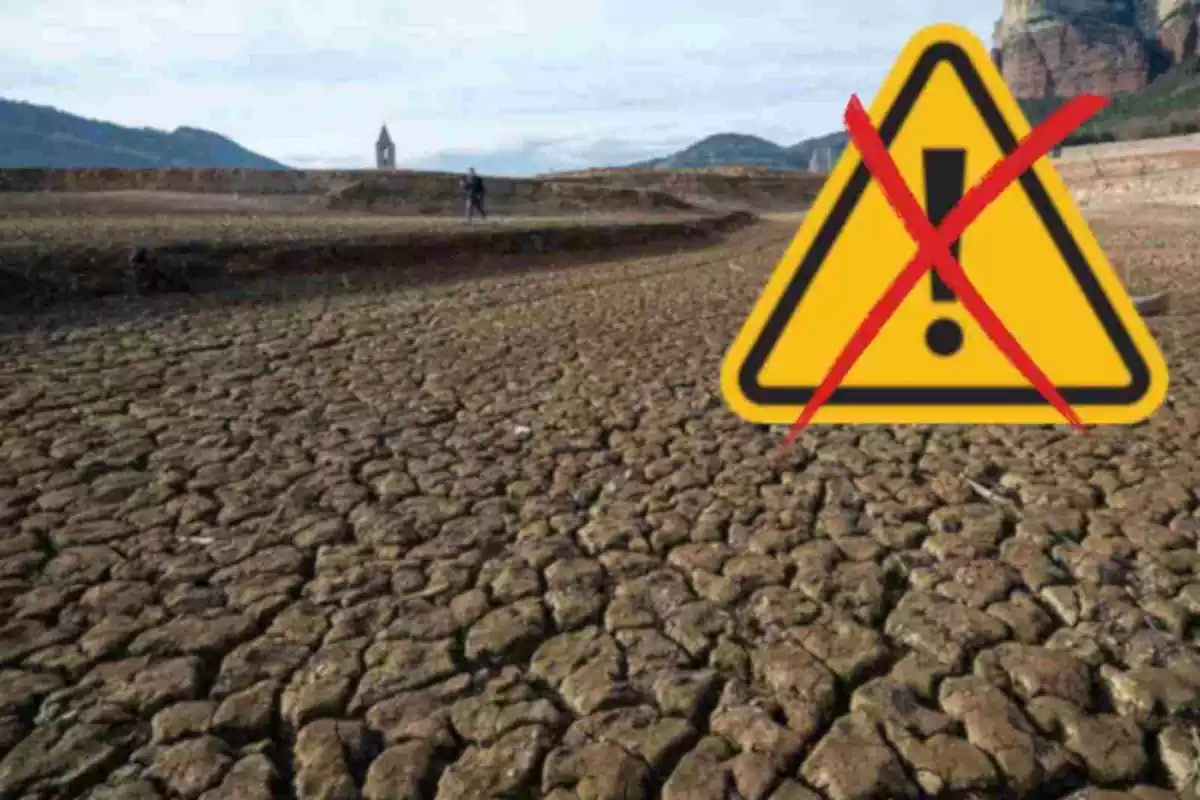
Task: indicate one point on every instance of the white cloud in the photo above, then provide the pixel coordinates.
(531, 81)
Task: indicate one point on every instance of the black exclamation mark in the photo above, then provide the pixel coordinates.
(945, 182)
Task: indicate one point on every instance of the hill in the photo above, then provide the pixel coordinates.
(41, 136)
(821, 152)
(736, 149)
(725, 149)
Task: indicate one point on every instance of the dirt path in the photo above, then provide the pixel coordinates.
(502, 539)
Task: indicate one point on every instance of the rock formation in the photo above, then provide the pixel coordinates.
(1060, 48)
(1177, 27)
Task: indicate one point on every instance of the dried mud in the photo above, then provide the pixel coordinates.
(501, 538)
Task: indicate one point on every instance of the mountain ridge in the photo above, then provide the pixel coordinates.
(33, 135)
(740, 149)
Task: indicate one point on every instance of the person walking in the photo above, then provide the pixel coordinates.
(473, 186)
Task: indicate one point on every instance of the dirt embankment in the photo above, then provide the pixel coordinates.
(1116, 176)
(436, 193)
(40, 276)
(206, 181)
(749, 188)
(396, 192)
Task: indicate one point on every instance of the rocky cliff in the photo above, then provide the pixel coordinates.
(1060, 48)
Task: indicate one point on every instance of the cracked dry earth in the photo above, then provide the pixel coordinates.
(502, 539)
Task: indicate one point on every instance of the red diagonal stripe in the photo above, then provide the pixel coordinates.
(900, 197)
(936, 244)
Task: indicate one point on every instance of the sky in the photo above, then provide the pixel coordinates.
(512, 87)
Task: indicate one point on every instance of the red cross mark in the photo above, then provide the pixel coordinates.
(934, 246)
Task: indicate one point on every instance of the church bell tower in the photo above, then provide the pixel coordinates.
(385, 150)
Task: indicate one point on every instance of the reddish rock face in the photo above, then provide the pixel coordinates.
(1063, 59)
(1065, 48)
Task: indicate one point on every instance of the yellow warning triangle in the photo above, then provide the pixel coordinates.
(946, 117)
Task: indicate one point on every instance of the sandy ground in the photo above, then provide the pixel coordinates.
(500, 538)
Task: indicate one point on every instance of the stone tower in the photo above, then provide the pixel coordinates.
(385, 150)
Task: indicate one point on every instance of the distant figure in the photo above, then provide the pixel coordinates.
(472, 185)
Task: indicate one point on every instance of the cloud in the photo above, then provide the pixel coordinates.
(537, 156)
(524, 85)
(323, 161)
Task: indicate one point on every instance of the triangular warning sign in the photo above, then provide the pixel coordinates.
(946, 118)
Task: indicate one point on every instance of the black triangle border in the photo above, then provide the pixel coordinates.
(748, 375)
